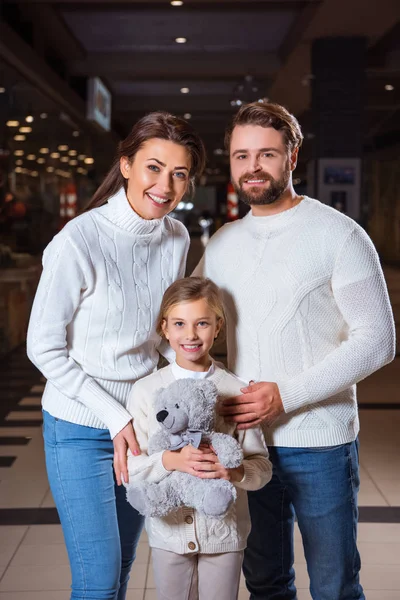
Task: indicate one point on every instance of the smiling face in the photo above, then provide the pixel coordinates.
(261, 164)
(157, 177)
(191, 328)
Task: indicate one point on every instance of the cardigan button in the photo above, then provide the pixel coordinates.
(192, 546)
(189, 520)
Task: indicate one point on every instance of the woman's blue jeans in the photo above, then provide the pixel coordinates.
(101, 529)
(320, 486)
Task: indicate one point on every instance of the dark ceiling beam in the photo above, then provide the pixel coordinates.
(188, 4)
(20, 55)
(158, 65)
(180, 104)
(54, 29)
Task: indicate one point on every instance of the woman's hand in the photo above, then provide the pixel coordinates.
(125, 439)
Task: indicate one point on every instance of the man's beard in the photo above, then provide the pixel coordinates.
(261, 196)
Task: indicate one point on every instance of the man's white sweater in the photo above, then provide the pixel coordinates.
(307, 308)
(186, 530)
(91, 331)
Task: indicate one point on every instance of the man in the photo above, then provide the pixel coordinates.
(308, 316)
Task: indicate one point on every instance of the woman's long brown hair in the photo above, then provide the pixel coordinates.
(159, 125)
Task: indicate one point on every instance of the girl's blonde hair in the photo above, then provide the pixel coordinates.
(190, 289)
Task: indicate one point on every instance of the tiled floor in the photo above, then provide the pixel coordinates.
(33, 560)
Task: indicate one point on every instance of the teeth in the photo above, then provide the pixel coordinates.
(192, 346)
(158, 199)
(255, 180)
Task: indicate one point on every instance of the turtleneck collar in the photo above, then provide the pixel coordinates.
(120, 212)
(278, 221)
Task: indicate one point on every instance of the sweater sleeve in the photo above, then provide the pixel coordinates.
(360, 292)
(64, 279)
(143, 467)
(257, 466)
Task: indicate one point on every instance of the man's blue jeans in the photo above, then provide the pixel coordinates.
(101, 529)
(320, 485)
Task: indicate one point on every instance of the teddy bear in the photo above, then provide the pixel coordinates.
(185, 411)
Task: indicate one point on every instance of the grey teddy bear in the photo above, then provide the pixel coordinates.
(186, 412)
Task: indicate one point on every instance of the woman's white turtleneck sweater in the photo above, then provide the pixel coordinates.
(91, 331)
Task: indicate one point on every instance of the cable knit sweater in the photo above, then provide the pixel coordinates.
(307, 308)
(91, 331)
(186, 526)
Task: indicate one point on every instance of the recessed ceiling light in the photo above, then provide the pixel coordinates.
(18, 169)
(64, 159)
(31, 157)
(29, 119)
(19, 138)
(389, 87)
(187, 116)
(2, 90)
(43, 115)
(25, 129)
(73, 163)
(50, 169)
(19, 152)
(176, 3)
(82, 157)
(34, 173)
(89, 161)
(19, 162)
(12, 123)
(55, 155)
(181, 40)
(185, 90)
(63, 147)
(44, 150)
(41, 160)
(76, 133)
(72, 153)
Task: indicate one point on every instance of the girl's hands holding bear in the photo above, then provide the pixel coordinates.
(202, 462)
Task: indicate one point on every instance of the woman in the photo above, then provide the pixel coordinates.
(92, 335)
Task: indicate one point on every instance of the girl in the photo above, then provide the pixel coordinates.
(92, 335)
(195, 557)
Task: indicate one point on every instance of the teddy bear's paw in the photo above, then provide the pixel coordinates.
(137, 498)
(217, 502)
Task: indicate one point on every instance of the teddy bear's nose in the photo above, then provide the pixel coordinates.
(161, 416)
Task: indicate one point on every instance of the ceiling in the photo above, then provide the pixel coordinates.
(235, 50)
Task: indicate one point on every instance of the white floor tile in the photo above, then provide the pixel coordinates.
(53, 595)
(150, 595)
(373, 553)
(379, 532)
(37, 578)
(142, 554)
(381, 577)
(10, 539)
(48, 501)
(22, 493)
(40, 555)
(44, 534)
(379, 595)
(37, 389)
(133, 595)
(138, 577)
(23, 415)
(30, 401)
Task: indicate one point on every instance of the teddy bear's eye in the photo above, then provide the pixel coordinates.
(176, 405)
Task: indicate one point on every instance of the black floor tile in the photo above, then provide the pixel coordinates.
(13, 440)
(7, 461)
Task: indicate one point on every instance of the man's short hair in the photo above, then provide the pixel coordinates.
(268, 114)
